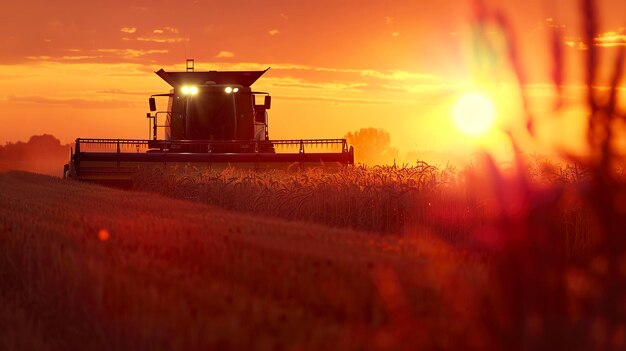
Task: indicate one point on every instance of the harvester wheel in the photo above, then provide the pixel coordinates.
(66, 171)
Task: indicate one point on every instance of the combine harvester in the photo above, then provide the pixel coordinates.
(213, 121)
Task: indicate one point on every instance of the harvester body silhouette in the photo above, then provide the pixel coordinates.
(213, 120)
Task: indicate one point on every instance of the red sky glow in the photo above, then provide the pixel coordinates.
(85, 68)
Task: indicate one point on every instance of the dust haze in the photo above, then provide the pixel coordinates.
(42, 154)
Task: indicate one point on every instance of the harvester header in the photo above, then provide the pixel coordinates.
(213, 119)
(180, 79)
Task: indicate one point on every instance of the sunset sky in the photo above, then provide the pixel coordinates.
(85, 68)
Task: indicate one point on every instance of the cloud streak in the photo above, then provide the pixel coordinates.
(70, 102)
(225, 54)
(162, 39)
(98, 55)
(335, 99)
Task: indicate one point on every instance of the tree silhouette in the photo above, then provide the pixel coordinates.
(372, 146)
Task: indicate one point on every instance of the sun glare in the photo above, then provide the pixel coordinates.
(474, 114)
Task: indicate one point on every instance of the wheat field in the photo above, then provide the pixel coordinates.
(88, 267)
(453, 203)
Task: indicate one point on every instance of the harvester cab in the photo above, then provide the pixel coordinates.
(213, 119)
(213, 106)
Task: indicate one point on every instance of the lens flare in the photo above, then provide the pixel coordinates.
(103, 235)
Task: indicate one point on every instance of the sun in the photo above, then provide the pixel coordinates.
(474, 114)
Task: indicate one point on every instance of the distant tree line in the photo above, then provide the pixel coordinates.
(41, 154)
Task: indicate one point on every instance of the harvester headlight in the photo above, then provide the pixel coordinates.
(235, 90)
(228, 90)
(189, 90)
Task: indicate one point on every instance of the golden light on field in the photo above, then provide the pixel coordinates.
(474, 114)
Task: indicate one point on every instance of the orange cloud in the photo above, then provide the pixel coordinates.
(166, 29)
(576, 43)
(611, 39)
(334, 99)
(171, 29)
(131, 53)
(606, 39)
(73, 102)
(99, 54)
(63, 58)
(114, 91)
(225, 54)
(163, 40)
